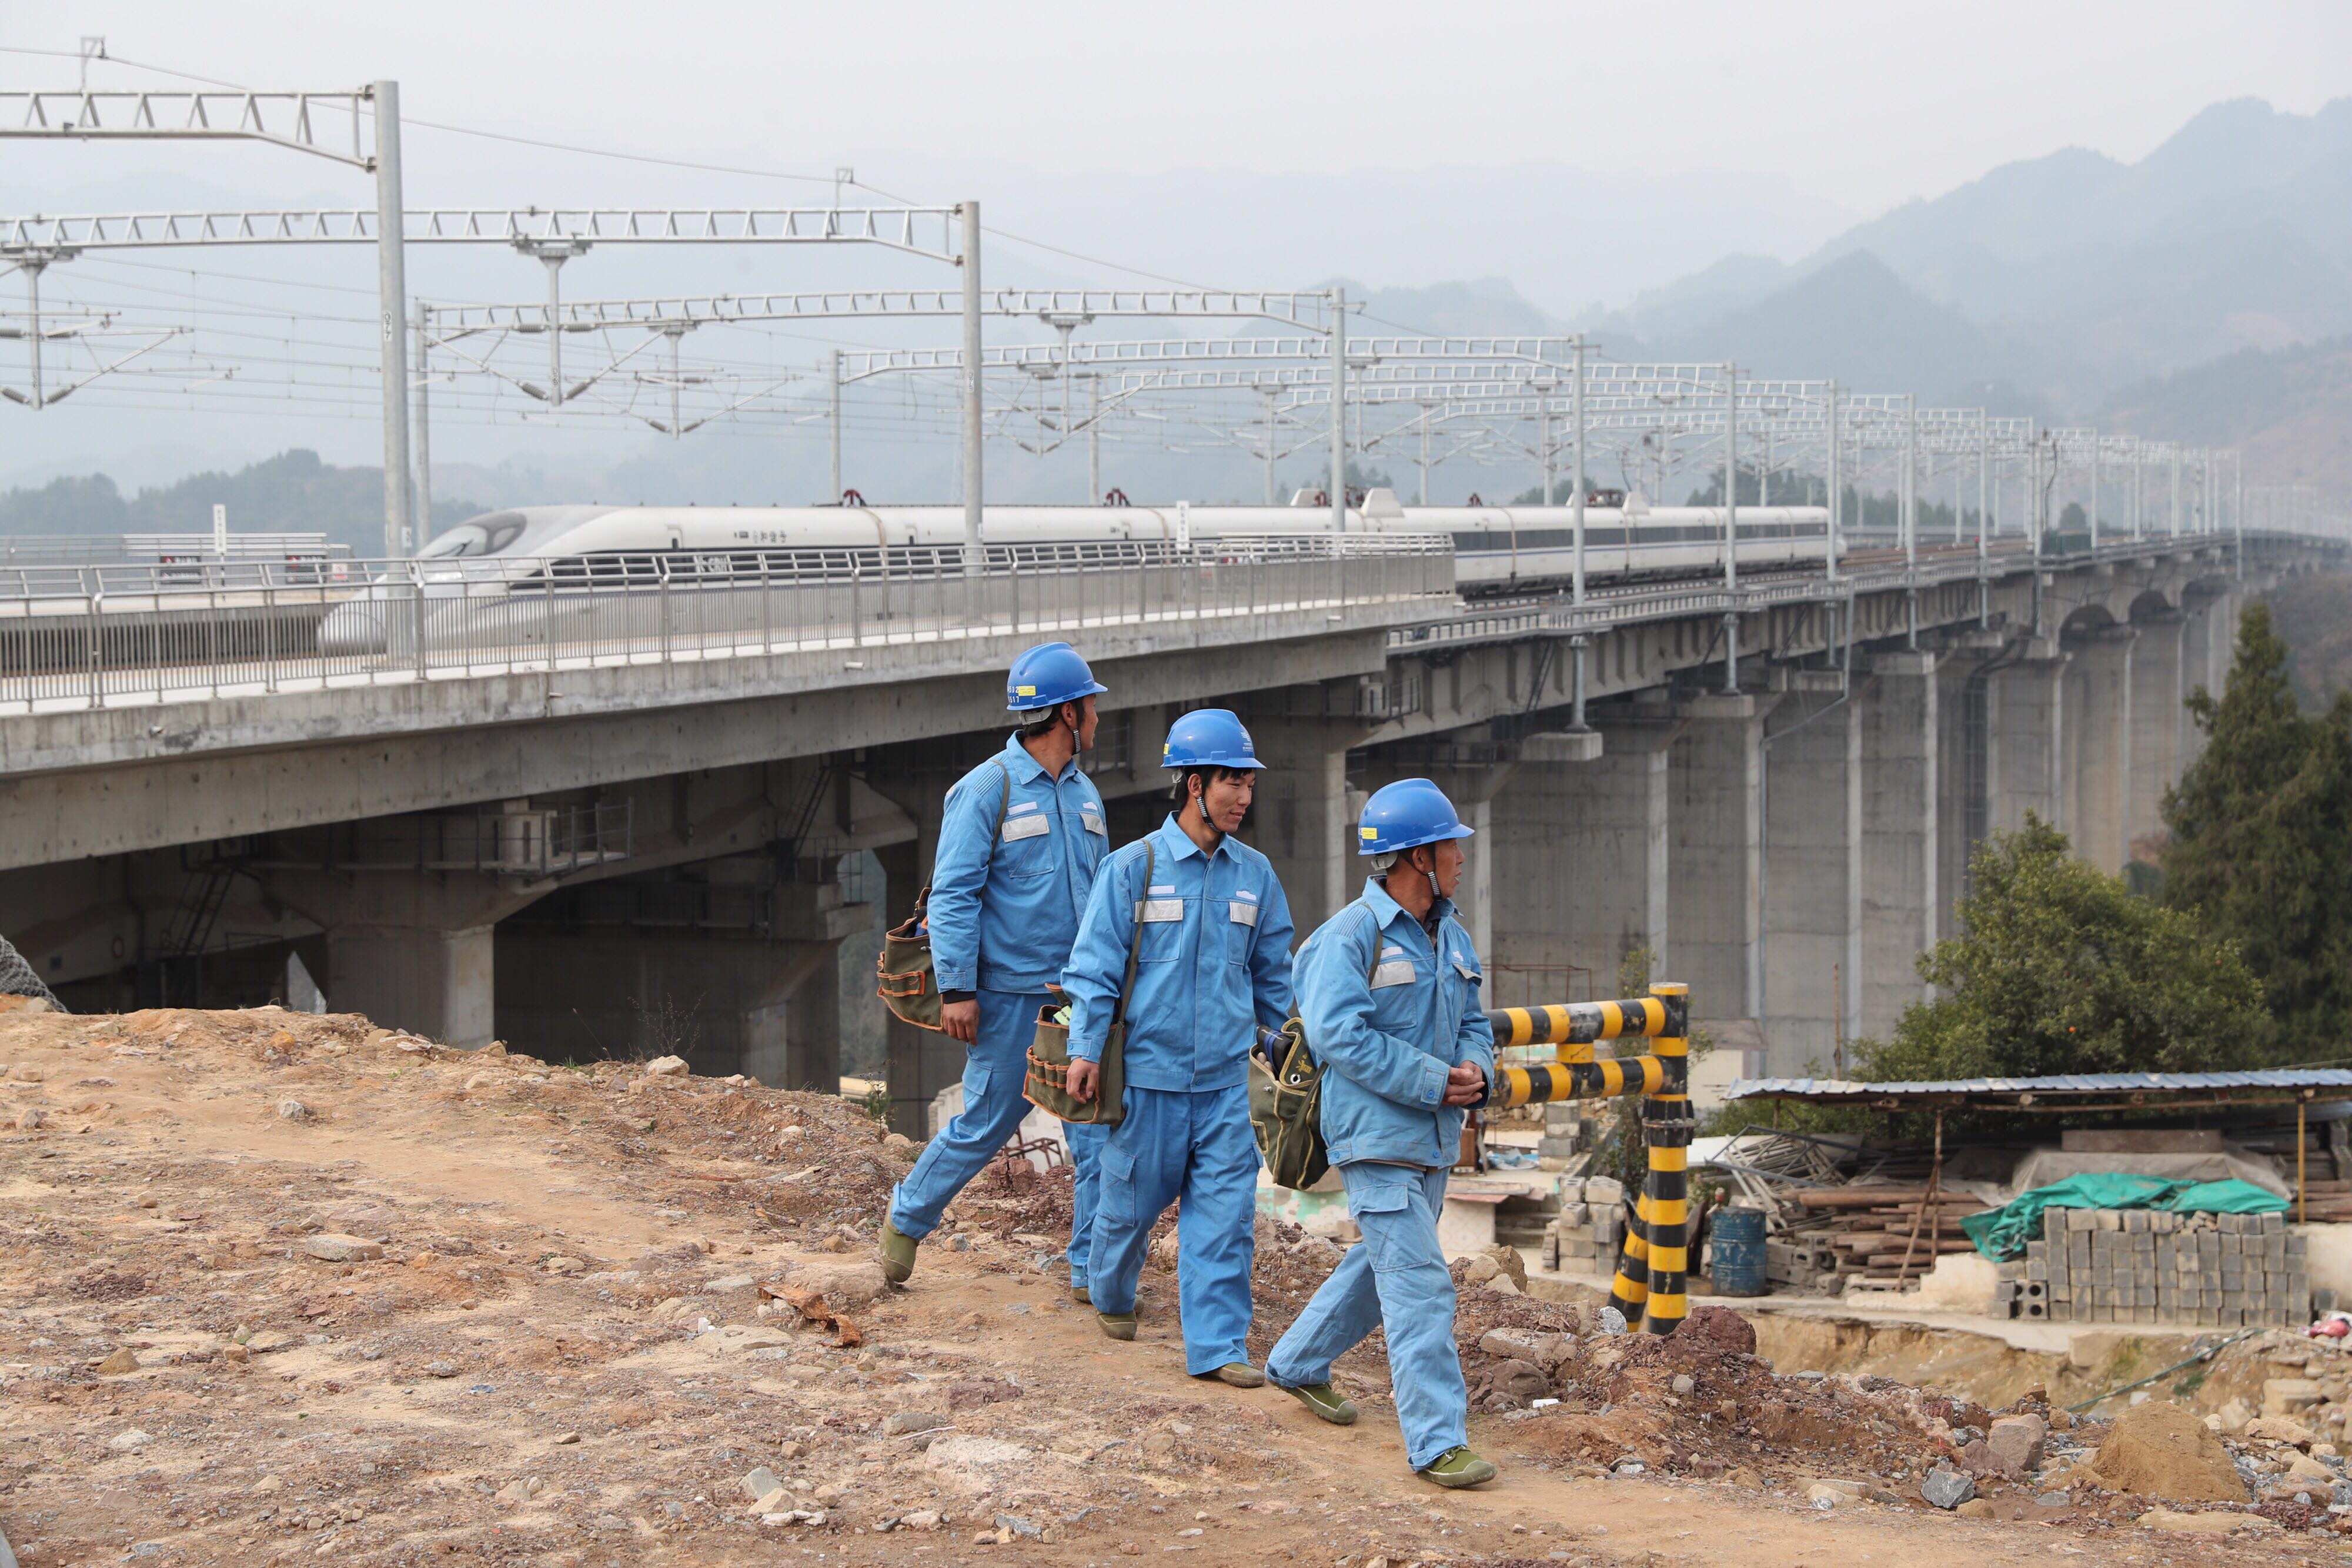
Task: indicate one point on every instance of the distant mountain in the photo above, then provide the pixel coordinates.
(290, 492)
(1480, 306)
(1853, 319)
(2077, 273)
(2290, 410)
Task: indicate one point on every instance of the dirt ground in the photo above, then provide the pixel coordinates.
(277, 1286)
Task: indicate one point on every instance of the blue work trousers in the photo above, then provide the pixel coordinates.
(1394, 1279)
(1197, 1150)
(993, 1069)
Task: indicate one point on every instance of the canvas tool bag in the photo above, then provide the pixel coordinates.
(1047, 1084)
(904, 980)
(1286, 1104)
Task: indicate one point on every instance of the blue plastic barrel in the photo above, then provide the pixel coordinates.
(1738, 1236)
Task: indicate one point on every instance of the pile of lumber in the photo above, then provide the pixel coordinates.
(1871, 1228)
(2324, 1202)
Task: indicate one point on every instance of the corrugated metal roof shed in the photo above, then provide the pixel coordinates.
(2071, 1092)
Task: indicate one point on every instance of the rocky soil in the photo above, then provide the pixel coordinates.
(277, 1286)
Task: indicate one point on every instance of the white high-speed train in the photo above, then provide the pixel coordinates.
(588, 548)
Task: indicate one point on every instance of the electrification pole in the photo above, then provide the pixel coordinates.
(1984, 483)
(833, 412)
(1575, 412)
(1094, 439)
(1910, 481)
(971, 404)
(1835, 483)
(1543, 436)
(421, 503)
(1272, 427)
(1338, 411)
(391, 307)
(1731, 478)
(2091, 513)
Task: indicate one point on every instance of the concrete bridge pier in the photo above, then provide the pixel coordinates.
(755, 990)
(1900, 839)
(2028, 718)
(412, 949)
(2157, 717)
(1577, 852)
(2208, 647)
(1715, 861)
(1813, 875)
(1967, 718)
(920, 1063)
(2099, 698)
(1302, 817)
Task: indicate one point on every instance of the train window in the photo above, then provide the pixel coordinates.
(502, 535)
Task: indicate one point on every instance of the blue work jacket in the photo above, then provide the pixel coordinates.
(1005, 901)
(1388, 1015)
(1214, 962)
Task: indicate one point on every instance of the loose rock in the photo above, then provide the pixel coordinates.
(2017, 1440)
(293, 1110)
(333, 1246)
(120, 1362)
(667, 1067)
(2174, 1524)
(1947, 1488)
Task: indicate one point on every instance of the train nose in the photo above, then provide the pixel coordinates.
(356, 628)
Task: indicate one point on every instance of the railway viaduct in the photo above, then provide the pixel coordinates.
(1772, 788)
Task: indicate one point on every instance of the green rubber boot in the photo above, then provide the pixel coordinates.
(1239, 1375)
(896, 1254)
(1078, 1294)
(1117, 1325)
(1325, 1401)
(1458, 1467)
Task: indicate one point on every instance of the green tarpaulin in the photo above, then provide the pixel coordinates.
(2003, 1232)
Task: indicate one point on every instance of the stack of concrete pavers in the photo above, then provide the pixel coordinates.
(1590, 1228)
(2147, 1266)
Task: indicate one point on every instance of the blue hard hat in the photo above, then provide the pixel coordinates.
(1048, 675)
(1404, 815)
(1208, 737)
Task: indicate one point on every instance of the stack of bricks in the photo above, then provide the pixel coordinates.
(2146, 1266)
(1590, 1228)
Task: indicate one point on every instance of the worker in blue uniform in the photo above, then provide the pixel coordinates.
(1020, 839)
(1389, 993)
(1213, 965)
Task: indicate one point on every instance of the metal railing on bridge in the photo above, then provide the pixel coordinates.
(1555, 615)
(104, 635)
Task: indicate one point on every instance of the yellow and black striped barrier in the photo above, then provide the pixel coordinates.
(1581, 1023)
(1652, 1279)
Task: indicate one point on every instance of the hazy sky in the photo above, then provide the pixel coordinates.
(1866, 104)
(1584, 151)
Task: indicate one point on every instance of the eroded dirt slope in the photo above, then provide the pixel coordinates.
(274, 1285)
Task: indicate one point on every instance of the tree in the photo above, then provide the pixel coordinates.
(2061, 969)
(2261, 835)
